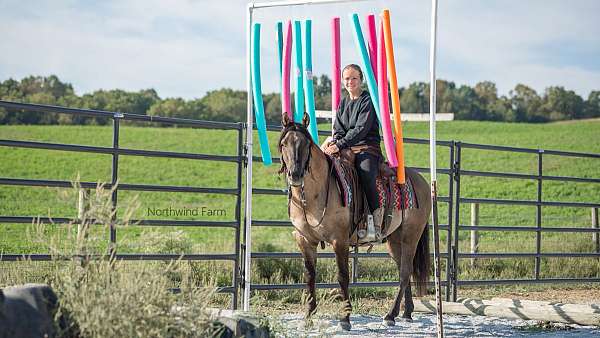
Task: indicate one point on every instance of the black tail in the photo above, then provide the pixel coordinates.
(422, 262)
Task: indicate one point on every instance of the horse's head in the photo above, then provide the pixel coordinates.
(294, 146)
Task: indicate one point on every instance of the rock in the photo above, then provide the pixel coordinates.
(240, 324)
(27, 311)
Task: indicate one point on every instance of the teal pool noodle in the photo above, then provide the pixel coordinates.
(366, 63)
(308, 81)
(299, 97)
(259, 109)
(280, 44)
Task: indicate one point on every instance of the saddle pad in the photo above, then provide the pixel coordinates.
(403, 196)
(343, 180)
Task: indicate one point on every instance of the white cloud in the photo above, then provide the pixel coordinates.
(185, 48)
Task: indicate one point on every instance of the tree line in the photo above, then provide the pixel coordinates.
(481, 102)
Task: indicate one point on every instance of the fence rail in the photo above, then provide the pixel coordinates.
(452, 227)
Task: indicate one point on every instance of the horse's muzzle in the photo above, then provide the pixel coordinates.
(295, 180)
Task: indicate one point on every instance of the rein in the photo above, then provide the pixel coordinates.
(304, 199)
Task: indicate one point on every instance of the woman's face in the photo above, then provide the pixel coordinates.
(352, 82)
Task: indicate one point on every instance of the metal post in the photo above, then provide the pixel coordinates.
(355, 265)
(538, 237)
(114, 181)
(474, 233)
(238, 218)
(456, 247)
(595, 236)
(248, 216)
(449, 260)
(433, 165)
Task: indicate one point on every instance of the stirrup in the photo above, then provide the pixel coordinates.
(371, 233)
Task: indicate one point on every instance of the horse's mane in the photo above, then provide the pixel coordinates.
(292, 126)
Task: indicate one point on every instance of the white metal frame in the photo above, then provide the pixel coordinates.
(432, 136)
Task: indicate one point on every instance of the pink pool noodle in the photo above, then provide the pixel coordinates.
(384, 106)
(336, 65)
(286, 107)
(372, 43)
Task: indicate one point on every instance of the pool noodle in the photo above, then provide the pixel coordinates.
(299, 97)
(336, 65)
(259, 111)
(372, 43)
(280, 44)
(286, 107)
(360, 44)
(388, 138)
(308, 81)
(389, 48)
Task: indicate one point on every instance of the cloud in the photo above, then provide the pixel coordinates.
(185, 48)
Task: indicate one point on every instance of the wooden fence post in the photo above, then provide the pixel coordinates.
(595, 237)
(474, 233)
(82, 208)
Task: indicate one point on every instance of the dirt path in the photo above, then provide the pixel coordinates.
(424, 325)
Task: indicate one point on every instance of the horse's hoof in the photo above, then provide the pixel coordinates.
(346, 326)
(389, 322)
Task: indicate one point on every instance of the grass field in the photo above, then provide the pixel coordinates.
(580, 136)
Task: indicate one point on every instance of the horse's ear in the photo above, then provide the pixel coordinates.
(285, 119)
(305, 120)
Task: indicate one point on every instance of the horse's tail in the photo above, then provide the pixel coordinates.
(422, 262)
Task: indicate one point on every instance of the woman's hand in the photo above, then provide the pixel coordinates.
(331, 149)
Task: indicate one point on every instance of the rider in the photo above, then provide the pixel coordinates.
(356, 128)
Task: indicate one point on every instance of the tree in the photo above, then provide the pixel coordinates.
(525, 104)
(225, 105)
(414, 99)
(592, 105)
(561, 104)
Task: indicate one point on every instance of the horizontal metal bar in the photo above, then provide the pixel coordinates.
(220, 289)
(271, 223)
(571, 179)
(146, 222)
(122, 186)
(497, 174)
(527, 281)
(329, 285)
(525, 228)
(280, 3)
(125, 257)
(264, 191)
(120, 151)
(527, 176)
(570, 153)
(527, 254)
(124, 116)
(282, 255)
(465, 145)
(527, 202)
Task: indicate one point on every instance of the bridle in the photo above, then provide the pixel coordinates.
(306, 168)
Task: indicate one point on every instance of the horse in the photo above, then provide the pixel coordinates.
(318, 216)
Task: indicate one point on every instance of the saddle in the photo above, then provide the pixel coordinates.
(392, 196)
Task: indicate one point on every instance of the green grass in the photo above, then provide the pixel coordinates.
(580, 136)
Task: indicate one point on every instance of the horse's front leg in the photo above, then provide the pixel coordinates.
(309, 253)
(341, 257)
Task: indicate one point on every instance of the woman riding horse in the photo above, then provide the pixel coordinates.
(356, 128)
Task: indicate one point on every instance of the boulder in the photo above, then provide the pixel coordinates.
(27, 311)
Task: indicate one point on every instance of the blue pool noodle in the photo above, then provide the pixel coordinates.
(360, 44)
(259, 110)
(308, 81)
(280, 44)
(299, 97)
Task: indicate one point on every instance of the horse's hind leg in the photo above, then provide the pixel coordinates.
(341, 258)
(309, 253)
(401, 253)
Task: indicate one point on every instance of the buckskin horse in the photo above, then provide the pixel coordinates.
(319, 216)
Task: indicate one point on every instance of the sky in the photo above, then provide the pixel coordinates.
(186, 48)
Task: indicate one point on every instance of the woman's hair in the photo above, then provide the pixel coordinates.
(356, 68)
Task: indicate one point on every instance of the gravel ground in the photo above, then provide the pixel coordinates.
(425, 325)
